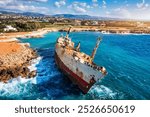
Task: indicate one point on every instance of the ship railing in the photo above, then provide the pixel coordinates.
(87, 63)
(95, 67)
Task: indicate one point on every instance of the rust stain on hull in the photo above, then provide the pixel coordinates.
(84, 86)
(78, 66)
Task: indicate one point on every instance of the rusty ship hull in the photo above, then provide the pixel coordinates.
(77, 80)
(76, 65)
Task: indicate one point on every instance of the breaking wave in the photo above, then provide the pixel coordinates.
(101, 92)
(17, 87)
(34, 62)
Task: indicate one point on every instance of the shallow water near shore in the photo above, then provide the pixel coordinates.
(126, 58)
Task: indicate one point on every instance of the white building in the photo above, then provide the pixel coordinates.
(10, 28)
(94, 22)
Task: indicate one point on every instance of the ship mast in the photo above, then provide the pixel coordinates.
(95, 49)
(78, 47)
(67, 35)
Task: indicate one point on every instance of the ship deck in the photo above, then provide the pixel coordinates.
(81, 57)
(78, 55)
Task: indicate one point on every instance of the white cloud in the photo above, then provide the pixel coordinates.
(119, 13)
(13, 1)
(107, 13)
(14, 5)
(142, 5)
(104, 4)
(60, 3)
(37, 0)
(79, 7)
(31, 8)
(4, 2)
(95, 5)
(122, 12)
(84, 5)
(42, 0)
(125, 13)
(7, 2)
(141, 14)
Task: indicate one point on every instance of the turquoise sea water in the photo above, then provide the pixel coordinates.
(126, 58)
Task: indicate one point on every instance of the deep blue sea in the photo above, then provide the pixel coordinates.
(126, 58)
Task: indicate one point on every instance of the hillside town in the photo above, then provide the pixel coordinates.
(19, 23)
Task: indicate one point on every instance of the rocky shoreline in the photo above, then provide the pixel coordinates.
(16, 57)
(16, 63)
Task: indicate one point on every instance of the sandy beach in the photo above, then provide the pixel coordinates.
(9, 37)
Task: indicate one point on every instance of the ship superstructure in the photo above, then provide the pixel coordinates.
(78, 66)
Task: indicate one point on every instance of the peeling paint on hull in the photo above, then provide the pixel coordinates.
(78, 66)
(83, 85)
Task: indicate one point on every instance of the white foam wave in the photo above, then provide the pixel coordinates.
(14, 87)
(18, 85)
(34, 62)
(102, 92)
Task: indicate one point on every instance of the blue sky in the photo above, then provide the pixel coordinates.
(132, 9)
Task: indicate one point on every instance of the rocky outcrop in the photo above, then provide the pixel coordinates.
(32, 74)
(16, 63)
(9, 73)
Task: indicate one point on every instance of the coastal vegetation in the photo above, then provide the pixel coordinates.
(29, 23)
(21, 26)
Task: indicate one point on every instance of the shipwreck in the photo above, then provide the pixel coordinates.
(78, 66)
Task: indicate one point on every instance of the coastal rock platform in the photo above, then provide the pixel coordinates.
(14, 60)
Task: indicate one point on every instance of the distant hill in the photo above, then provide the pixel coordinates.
(33, 14)
(84, 17)
(68, 16)
(24, 13)
(71, 16)
(6, 12)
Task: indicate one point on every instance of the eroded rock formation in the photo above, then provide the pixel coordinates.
(14, 61)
